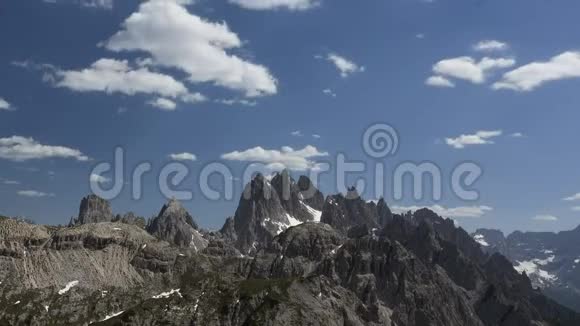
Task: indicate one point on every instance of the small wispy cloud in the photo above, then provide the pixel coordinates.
(345, 66)
(297, 133)
(293, 5)
(490, 46)
(97, 4)
(286, 157)
(482, 137)
(450, 212)
(329, 92)
(574, 197)
(232, 102)
(95, 178)
(163, 104)
(185, 156)
(5, 106)
(545, 218)
(34, 194)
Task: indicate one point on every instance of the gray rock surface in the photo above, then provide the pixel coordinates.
(131, 218)
(346, 211)
(93, 209)
(550, 260)
(418, 270)
(266, 209)
(175, 225)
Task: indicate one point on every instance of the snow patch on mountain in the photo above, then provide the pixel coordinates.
(167, 294)
(69, 286)
(316, 215)
(533, 270)
(479, 238)
(281, 226)
(112, 315)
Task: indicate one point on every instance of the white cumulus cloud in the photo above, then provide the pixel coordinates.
(438, 81)
(116, 76)
(530, 76)
(183, 157)
(276, 4)
(481, 137)
(18, 148)
(287, 157)
(450, 212)
(467, 68)
(175, 38)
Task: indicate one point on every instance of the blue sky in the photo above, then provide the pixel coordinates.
(208, 78)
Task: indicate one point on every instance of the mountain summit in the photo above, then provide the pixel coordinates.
(93, 209)
(360, 265)
(267, 208)
(175, 225)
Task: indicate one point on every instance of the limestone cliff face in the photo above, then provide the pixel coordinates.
(419, 269)
(175, 225)
(269, 207)
(346, 211)
(550, 260)
(93, 209)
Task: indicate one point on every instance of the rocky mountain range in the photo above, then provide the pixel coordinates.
(287, 257)
(550, 260)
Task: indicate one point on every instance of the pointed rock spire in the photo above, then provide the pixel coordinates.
(344, 212)
(176, 226)
(268, 208)
(93, 209)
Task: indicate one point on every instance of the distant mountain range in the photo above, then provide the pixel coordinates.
(288, 256)
(550, 260)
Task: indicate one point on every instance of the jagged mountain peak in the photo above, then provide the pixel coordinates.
(175, 225)
(268, 207)
(173, 209)
(550, 260)
(352, 193)
(416, 271)
(93, 209)
(350, 210)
